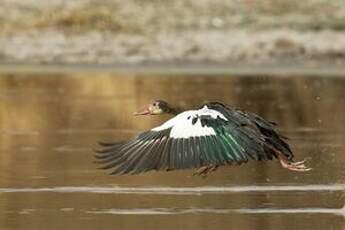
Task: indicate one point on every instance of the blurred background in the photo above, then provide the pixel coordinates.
(73, 72)
(144, 31)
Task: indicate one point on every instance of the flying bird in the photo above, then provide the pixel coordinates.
(213, 135)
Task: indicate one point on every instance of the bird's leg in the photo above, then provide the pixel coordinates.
(298, 166)
(205, 170)
(213, 168)
(200, 170)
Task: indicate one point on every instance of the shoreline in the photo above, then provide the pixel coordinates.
(191, 69)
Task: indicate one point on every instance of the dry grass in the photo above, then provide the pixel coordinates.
(136, 16)
(85, 17)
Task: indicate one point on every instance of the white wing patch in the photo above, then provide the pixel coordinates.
(182, 127)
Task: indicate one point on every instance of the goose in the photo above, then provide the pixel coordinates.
(213, 135)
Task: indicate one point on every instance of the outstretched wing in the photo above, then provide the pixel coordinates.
(190, 140)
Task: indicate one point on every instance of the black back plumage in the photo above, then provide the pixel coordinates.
(260, 131)
(239, 137)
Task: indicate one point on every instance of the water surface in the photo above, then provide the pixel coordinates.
(49, 124)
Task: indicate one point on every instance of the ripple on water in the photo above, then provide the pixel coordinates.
(174, 211)
(180, 190)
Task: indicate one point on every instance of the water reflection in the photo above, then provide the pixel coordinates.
(50, 122)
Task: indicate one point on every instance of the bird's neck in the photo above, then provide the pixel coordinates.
(174, 110)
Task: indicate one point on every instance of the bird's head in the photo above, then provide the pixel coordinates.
(156, 107)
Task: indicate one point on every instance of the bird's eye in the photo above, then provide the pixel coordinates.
(155, 104)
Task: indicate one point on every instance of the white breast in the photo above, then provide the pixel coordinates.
(182, 127)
